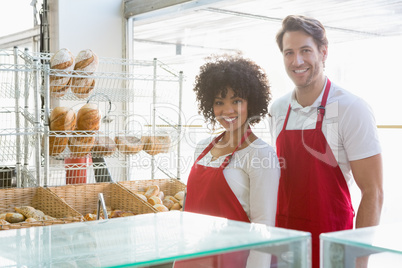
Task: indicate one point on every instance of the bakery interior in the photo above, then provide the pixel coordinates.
(149, 54)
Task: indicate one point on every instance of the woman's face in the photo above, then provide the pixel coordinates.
(230, 111)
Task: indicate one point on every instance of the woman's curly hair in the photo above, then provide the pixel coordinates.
(248, 80)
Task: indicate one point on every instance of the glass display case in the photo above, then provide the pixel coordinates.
(378, 246)
(146, 240)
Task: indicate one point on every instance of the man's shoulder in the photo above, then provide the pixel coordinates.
(281, 103)
(345, 98)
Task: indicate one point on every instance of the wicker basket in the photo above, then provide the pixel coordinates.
(39, 198)
(84, 197)
(167, 186)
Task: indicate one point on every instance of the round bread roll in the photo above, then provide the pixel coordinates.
(62, 119)
(86, 63)
(90, 217)
(179, 195)
(161, 195)
(104, 146)
(129, 144)
(127, 214)
(161, 208)
(172, 198)
(168, 203)
(153, 200)
(176, 206)
(88, 117)
(63, 61)
(80, 146)
(152, 190)
(57, 145)
(30, 220)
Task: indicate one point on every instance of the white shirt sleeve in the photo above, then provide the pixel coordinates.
(359, 131)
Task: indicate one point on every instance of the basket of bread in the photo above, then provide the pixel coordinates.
(84, 198)
(36, 206)
(161, 194)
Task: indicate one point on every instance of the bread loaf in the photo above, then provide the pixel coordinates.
(57, 145)
(86, 63)
(80, 144)
(88, 117)
(58, 89)
(154, 145)
(30, 212)
(62, 61)
(62, 119)
(12, 217)
(129, 144)
(103, 146)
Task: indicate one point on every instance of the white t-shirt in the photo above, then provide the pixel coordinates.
(253, 175)
(349, 125)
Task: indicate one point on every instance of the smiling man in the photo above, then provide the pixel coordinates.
(326, 139)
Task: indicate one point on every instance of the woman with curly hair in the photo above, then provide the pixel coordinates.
(236, 174)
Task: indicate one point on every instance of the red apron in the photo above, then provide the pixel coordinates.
(209, 193)
(313, 195)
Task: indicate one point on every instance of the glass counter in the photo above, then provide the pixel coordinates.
(377, 246)
(149, 239)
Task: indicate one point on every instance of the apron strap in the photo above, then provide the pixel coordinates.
(287, 117)
(243, 139)
(209, 147)
(321, 108)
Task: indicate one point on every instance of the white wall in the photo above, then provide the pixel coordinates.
(93, 24)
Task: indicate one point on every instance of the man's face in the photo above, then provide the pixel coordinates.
(303, 60)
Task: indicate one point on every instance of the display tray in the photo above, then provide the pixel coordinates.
(145, 240)
(38, 198)
(381, 243)
(169, 187)
(84, 198)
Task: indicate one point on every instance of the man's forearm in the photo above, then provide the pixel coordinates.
(370, 207)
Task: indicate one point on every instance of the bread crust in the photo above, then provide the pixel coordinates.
(63, 60)
(57, 145)
(80, 146)
(88, 118)
(104, 146)
(129, 144)
(62, 119)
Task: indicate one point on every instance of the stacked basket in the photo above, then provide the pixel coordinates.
(38, 198)
(84, 197)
